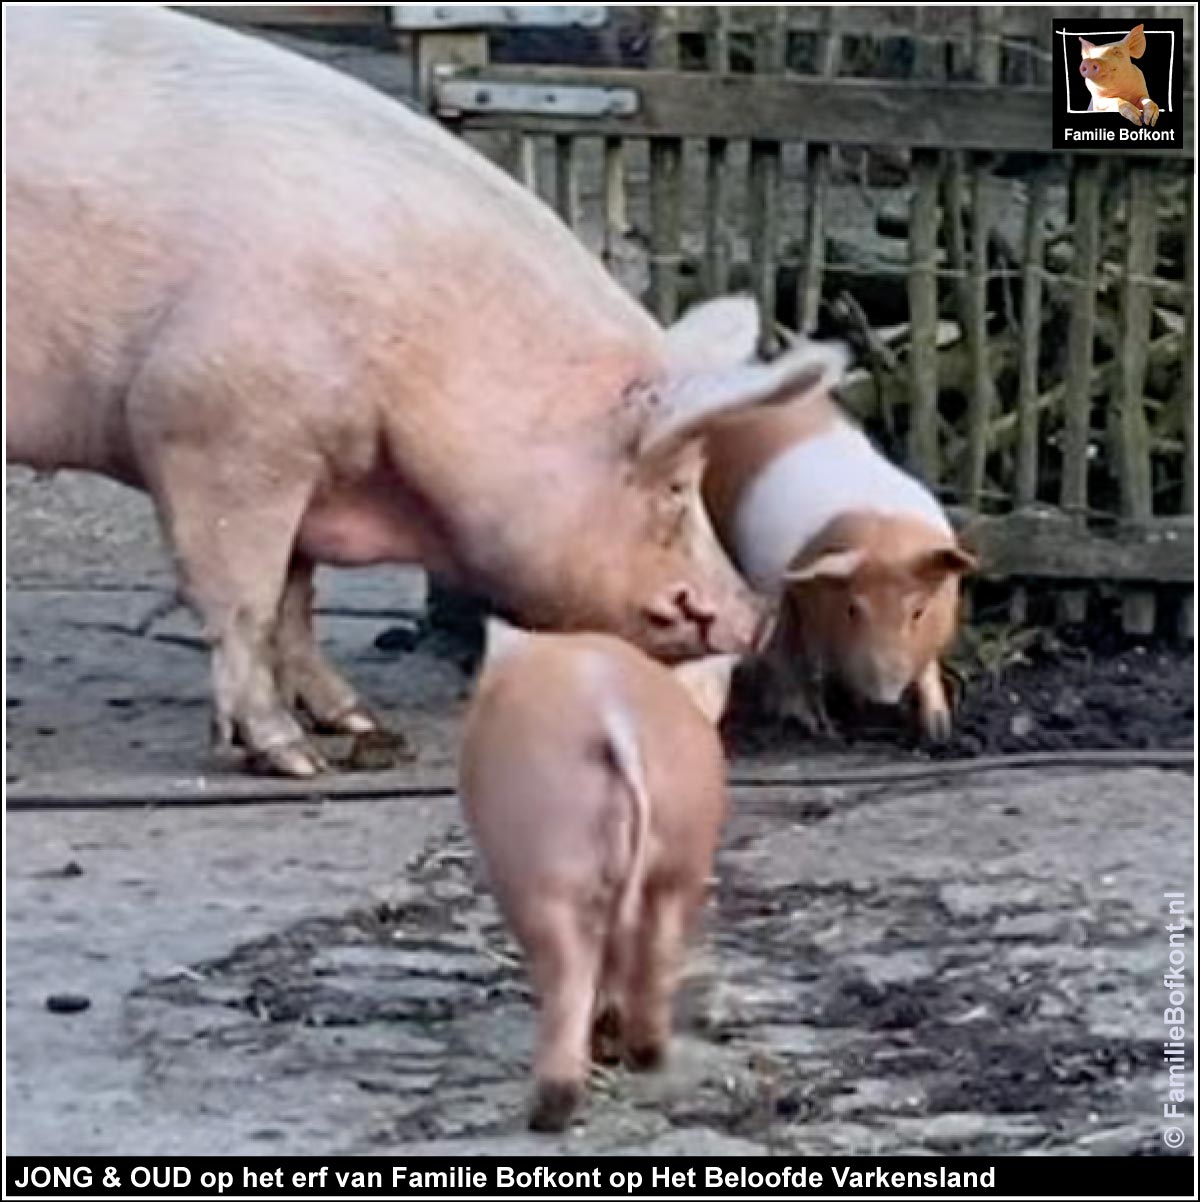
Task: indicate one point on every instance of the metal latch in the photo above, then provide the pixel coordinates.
(541, 100)
(487, 16)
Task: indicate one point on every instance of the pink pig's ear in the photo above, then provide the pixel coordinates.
(1135, 39)
(935, 566)
(1086, 46)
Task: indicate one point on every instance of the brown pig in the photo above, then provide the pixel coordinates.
(860, 554)
(594, 786)
(318, 329)
(1116, 85)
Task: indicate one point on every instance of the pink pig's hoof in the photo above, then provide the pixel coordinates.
(554, 1104)
(297, 760)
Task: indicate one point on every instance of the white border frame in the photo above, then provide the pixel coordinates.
(1103, 33)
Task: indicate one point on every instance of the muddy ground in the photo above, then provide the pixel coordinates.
(961, 964)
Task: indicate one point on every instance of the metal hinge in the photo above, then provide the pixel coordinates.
(487, 16)
(455, 96)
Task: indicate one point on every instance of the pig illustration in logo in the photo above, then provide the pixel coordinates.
(1116, 85)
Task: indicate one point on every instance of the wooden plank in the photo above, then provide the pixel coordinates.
(922, 303)
(566, 180)
(954, 21)
(716, 166)
(983, 394)
(615, 200)
(1032, 271)
(820, 158)
(1077, 416)
(982, 399)
(856, 112)
(294, 15)
(1042, 543)
(766, 167)
(666, 176)
(1132, 450)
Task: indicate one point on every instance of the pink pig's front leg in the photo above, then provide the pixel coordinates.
(1150, 111)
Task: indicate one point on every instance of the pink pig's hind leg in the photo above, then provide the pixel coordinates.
(306, 678)
(566, 953)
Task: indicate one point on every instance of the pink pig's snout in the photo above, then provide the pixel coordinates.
(1089, 68)
(684, 623)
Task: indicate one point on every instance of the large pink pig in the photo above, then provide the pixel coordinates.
(319, 329)
(595, 787)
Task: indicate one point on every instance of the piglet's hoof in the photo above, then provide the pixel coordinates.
(379, 750)
(645, 1057)
(554, 1104)
(297, 760)
(606, 1037)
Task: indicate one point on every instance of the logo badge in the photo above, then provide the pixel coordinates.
(1118, 83)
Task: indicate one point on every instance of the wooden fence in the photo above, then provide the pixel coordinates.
(1041, 375)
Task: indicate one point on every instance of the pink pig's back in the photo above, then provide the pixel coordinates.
(161, 168)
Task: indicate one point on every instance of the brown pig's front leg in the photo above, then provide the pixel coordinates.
(933, 707)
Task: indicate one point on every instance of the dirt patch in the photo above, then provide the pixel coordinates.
(1078, 689)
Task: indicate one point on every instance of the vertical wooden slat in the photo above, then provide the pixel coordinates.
(817, 186)
(1133, 434)
(666, 162)
(566, 179)
(716, 177)
(529, 162)
(765, 164)
(922, 303)
(1032, 267)
(1030, 339)
(615, 208)
(1077, 416)
(982, 399)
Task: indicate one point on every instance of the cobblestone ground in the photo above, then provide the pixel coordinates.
(913, 966)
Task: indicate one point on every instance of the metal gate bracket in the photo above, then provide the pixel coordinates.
(457, 96)
(419, 17)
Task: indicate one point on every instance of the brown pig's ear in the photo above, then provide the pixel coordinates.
(832, 565)
(934, 566)
(1135, 39)
(1086, 46)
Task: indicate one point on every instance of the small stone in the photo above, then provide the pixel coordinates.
(67, 1003)
(1021, 724)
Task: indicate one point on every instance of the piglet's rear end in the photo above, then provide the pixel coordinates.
(594, 786)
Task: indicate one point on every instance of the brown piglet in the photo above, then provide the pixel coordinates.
(593, 781)
(859, 554)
